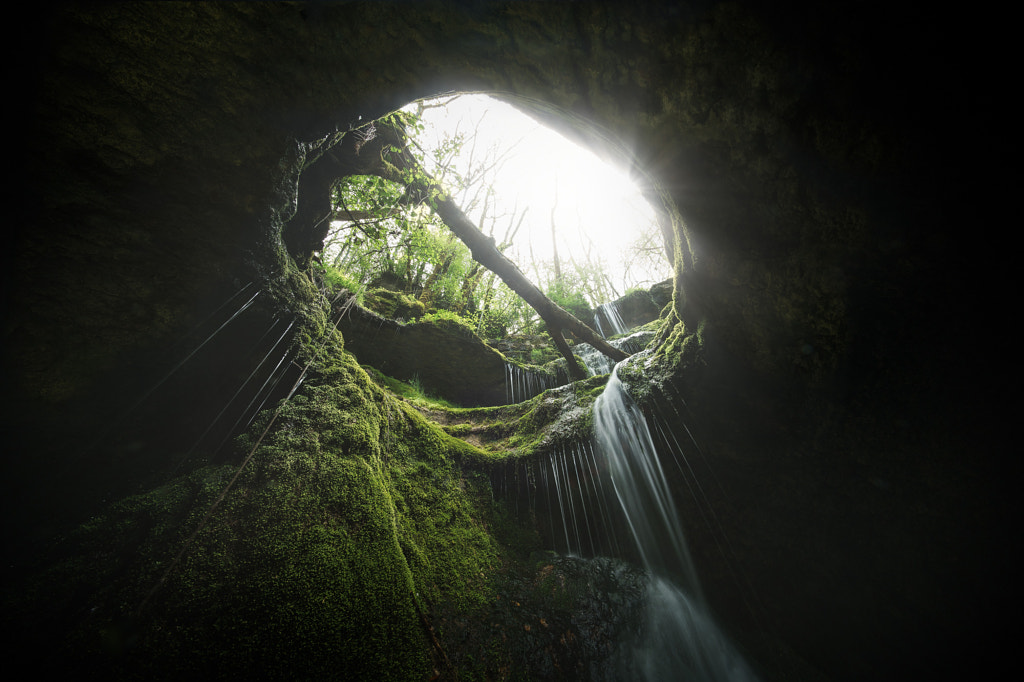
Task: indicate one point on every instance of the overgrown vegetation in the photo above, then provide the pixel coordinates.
(347, 519)
(386, 235)
(352, 519)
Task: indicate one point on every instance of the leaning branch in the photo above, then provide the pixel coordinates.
(403, 168)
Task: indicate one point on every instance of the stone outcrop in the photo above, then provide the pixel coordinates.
(446, 358)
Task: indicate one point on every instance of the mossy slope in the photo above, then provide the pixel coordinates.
(351, 519)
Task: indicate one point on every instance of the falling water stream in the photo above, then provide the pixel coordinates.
(522, 384)
(613, 325)
(680, 640)
(610, 497)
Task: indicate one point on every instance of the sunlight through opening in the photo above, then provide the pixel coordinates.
(601, 220)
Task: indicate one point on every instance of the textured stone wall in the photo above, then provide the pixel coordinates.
(172, 132)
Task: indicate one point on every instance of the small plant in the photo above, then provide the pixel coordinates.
(450, 319)
(336, 279)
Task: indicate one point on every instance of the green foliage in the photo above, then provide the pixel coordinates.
(386, 232)
(571, 299)
(411, 391)
(403, 244)
(493, 324)
(450, 319)
(393, 237)
(337, 279)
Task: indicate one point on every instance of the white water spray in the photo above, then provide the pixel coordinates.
(609, 312)
(680, 640)
(640, 485)
(599, 363)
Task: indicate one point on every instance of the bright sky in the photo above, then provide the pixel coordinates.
(595, 201)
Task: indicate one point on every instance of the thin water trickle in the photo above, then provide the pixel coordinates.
(223, 305)
(522, 384)
(609, 312)
(245, 306)
(234, 397)
(117, 421)
(252, 415)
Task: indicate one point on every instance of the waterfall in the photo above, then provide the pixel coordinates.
(599, 363)
(640, 485)
(680, 640)
(610, 313)
(522, 384)
(609, 497)
(596, 361)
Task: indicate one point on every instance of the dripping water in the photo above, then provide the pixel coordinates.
(522, 384)
(121, 422)
(231, 401)
(614, 325)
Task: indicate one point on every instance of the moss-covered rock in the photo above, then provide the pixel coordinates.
(393, 304)
(560, 618)
(348, 521)
(531, 428)
(445, 358)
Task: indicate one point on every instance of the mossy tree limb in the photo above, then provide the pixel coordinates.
(387, 155)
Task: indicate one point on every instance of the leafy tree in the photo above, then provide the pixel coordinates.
(384, 235)
(383, 148)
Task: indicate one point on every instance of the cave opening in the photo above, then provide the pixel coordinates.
(409, 250)
(550, 234)
(576, 225)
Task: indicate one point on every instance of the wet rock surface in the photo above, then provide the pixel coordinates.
(566, 621)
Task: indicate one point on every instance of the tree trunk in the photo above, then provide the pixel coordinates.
(402, 167)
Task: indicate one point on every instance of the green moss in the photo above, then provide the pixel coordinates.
(393, 304)
(527, 429)
(450, 321)
(458, 429)
(351, 518)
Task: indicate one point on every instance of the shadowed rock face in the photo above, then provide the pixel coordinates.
(807, 168)
(448, 360)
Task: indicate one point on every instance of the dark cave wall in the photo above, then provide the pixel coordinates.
(183, 118)
(166, 140)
